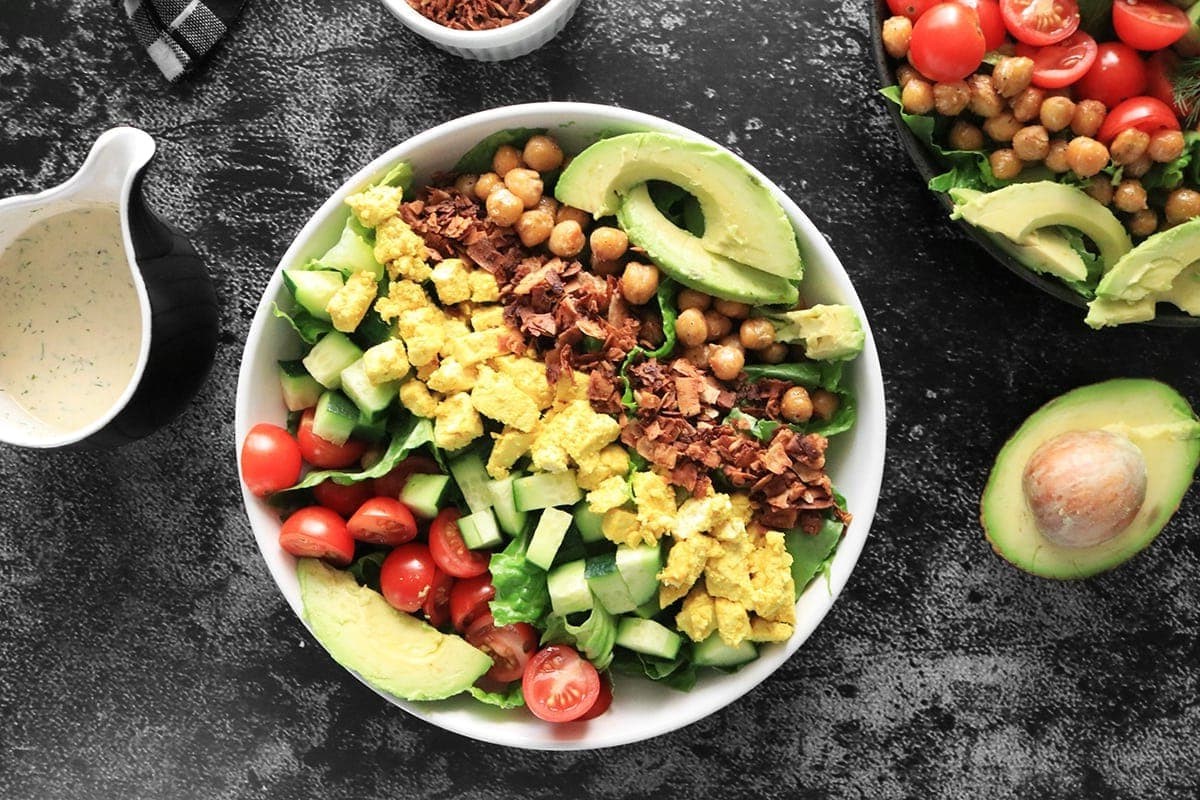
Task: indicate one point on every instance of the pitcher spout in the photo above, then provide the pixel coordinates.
(115, 160)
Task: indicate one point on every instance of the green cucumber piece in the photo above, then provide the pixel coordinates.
(648, 609)
(372, 398)
(569, 592)
(605, 581)
(371, 428)
(424, 493)
(511, 520)
(547, 537)
(300, 390)
(546, 489)
(373, 330)
(589, 523)
(329, 357)
(571, 549)
(639, 568)
(649, 637)
(479, 530)
(313, 289)
(353, 252)
(713, 652)
(472, 480)
(335, 418)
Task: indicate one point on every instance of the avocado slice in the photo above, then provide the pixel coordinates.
(828, 332)
(1021, 208)
(1045, 250)
(1149, 416)
(1151, 268)
(682, 256)
(742, 219)
(1185, 291)
(392, 651)
(1103, 312)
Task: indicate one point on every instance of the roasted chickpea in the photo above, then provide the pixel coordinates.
(1182, 204)
(985, 101)
(732, 309)
(965, 136)
(1138, 168)
(566, 239)
(796, 405)
(690, 327)
(719, 325)
(506, 158)
(1165, 145)
(1129, 146)
(756, 333)
(1056, 156)
(897, 34)
(825, 403)
(1028, 104)
(1088, 117)
(466, 184)
(525, 184)
(572, 214)
(917, 97)
(1130, 195)
(1031, 143)
(1056, 113)
(1143, 223)
(950, 99)
(487, 183)
(726, 362)
(690, 298)
(548, 204)
(1086, 156)
(904, 74)
(504, 208)
(1012, 75)
(731, 340)
(542, 153)
(1002, 127)
(534, 227)
(1100, 189)
(608, 244)
(639, 283)
(774, 354)
(1005, 164)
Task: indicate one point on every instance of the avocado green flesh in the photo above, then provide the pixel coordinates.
(683, 257)
(1185, 291)
(1103, 312)
(392, 651)
(1152, 267)
(1045, 250)
(1153, 416)
(742, 219)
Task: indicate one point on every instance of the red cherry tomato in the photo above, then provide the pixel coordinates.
(345, 500)
(1116, 74)
(603, 701)
(947, 43)
(469, 600)
(323, 453)
(317, 532)
(406, 577)
(1149, 24)
(382, 520)
(1040, 22)
(270, 459)
(437, 604)
(1160, 81)
(510, 646)
(450, 551)
(1062, 63)
(912, 9)
(990, 21)
(559, 685)
(392, 484)
(1144, 113)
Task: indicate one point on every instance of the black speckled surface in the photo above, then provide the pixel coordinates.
(145, 652)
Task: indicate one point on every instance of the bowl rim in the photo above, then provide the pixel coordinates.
(869, 433)
(1166, 316)
(489, 37)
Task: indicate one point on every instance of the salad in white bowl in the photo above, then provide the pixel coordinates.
(560, 426)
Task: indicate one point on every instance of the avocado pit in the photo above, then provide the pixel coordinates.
(1085, 487)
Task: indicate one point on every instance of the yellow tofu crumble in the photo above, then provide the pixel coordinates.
(351, 303)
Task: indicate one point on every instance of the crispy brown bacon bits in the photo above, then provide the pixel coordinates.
(476, 15)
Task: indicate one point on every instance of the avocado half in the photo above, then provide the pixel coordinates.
(1165, 435)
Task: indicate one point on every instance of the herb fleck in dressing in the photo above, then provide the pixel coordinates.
(70, 324)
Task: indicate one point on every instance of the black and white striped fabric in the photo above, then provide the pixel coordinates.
(178, 34)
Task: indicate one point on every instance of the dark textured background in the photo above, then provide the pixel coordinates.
(145, 652)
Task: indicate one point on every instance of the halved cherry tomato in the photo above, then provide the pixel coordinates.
(603, 701)
(1040, 22)
(1117, 73)
(317, 532)
(345, 500)
(1062, 63)
(559, 685)
(270, 459)
(1149, 24)
(325, 454)
(947, 43)
(437, 604)
(382, 520)
(1160, 81)
(912, 9)
(392, 484)
(1144, 113)
(406, 577)
(510, 646)
(990, 21)
(469, 599)
(450, 551)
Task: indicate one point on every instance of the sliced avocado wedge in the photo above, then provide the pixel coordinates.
(392, 651)
(1155, 418)
(1045, 250)
(1185, 291)
(743, 221)
(683, 257)
(1152, 267)
(1103, 312)
(828, 332)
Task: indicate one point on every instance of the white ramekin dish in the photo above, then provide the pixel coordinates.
(641, 708)
(496, 44)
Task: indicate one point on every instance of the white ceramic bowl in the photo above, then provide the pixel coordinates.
(496, 44)
(641, 708)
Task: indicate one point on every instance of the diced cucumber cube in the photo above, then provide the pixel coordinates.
(511, 520)
(372, 398)
(568, 589)
(713, 652)
(589, 523)
(546, 489)
(606, 583)
(639, 567)
(649, 637)
(300, 390)
(548, 537)
(313, 289)
(479, 530)
(329, 357)
(424, 494)
(335, 418)
(353, 252)
(472, 480)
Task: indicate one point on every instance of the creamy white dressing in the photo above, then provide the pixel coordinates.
(70, 322)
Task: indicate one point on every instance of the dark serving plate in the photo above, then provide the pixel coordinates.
(928, 166)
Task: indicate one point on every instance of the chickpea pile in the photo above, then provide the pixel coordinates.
(1023, 125)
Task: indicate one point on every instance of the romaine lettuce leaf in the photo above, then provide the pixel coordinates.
(594, 637)
(366, 569)
(811, 552)
(678, 673)
(307, 327)
(521, 593)
(512, 698)
(415, 432)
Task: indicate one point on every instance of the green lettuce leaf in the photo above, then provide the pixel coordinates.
(307, 327)
(761, 429)
(521, 593)
(813, 375)
(594, 637)
(665, 295)
(1173, 173)
(812, 553)
(366, 569)
(400, 175)
(510, 698)
(479, 158)
(679, 673)
(415, 432)
(1096, 18)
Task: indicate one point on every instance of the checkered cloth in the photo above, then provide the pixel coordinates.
(178, 34)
